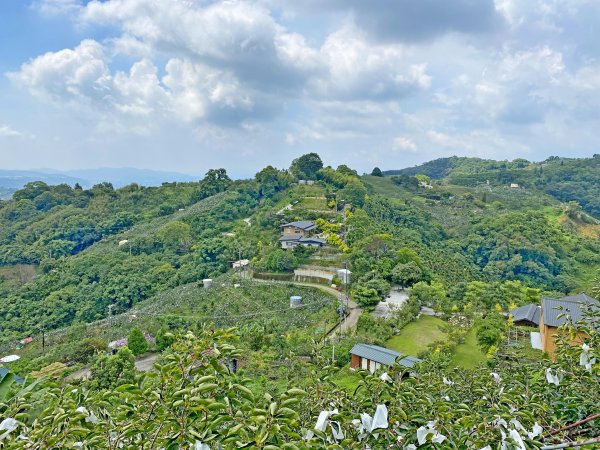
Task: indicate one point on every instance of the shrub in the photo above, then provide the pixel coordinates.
(87, 349)
(109, 371)
(163, 340)
(137, 342)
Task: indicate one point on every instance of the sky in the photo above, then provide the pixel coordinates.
(188, 85)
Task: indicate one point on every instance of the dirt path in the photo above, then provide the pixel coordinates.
(284, 209)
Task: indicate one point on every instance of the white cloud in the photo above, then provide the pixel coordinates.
(357, 69)
(505, 76)
(6, 131)
(81, 73)
(56, 7)
(405, 144)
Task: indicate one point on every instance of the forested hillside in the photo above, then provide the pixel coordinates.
(235, 363)
(567, 179)
(84, 250)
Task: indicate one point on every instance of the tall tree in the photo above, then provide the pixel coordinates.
(307, 166)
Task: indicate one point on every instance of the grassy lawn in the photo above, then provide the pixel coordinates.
(468, 354)
(416, 336)
(318, 204)
(346, 379)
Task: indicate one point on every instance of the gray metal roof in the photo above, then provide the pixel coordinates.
(409, 361)
(530, 313)
(571, 305)
(302, 224)
(301, 239)
(311, 239)
(383, 355)
(290, 237)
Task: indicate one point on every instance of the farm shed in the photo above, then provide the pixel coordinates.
(372, 357)
(527, 315)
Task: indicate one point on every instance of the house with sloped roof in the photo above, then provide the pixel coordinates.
(293, 240)
(301, 228)
(300, 233)
(556, 312)
(372, 357)
(527, 315)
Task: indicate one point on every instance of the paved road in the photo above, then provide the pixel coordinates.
(395, 300)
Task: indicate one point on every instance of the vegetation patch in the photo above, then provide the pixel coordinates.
(468, 354)
(416, 336)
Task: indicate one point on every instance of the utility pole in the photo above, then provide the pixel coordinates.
(110, 309)
(347, 276)
(43, 339)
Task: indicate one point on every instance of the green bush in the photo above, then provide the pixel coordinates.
(163, 340)
(87, 349)
(137, 342)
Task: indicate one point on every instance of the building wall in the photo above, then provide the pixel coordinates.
(288, 244)
(548, 335)
(357, 362)
(293, 231)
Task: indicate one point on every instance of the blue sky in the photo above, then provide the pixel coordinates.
(187, 85)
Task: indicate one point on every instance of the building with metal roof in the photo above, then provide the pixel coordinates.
(527, 315)
(372, 357)
(557, 312)
(299, 227)
(289, 241)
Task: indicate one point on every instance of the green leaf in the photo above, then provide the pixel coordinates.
(5, 384)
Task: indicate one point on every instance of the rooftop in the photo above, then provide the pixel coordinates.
(383, 355)
(305, 225)
(573, 306)
(530, 313)
(301, 239)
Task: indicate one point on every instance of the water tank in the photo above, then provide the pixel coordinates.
(344, 275)
(207, 283)
(295, 301)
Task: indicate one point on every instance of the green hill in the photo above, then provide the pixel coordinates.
(566, 179)
(87, 249)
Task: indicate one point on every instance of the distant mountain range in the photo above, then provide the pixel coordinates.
(12, 180)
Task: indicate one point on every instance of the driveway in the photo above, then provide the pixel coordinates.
(395, 300)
